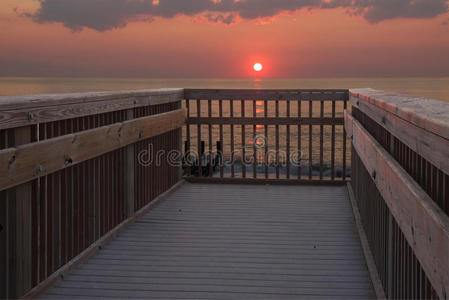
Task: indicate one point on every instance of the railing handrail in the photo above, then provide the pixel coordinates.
(428, 114)
(412, 120)
(26, 162)
(39, 100)
(17, 111)
(267, 94)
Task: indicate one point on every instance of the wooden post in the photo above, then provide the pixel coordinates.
(19, 202)
(4, 242)
(4, 229)
(129, 172)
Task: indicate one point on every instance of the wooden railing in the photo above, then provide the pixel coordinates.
(71, 175)
(78, 168)
(400, 168)
(266, 135)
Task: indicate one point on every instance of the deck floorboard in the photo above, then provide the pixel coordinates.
(210, 241)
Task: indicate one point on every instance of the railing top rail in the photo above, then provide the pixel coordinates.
(428, 114)
(267, 94)
(17, 111)
(8, 103)
(270, 90)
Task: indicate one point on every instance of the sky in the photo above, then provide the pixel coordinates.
(224, 38)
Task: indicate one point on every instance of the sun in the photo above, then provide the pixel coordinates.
(257, 67)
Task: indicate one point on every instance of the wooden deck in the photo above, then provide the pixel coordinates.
(232, 241)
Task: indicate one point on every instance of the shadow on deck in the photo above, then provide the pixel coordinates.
(232, 241)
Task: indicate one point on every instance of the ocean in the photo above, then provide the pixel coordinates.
(436, 88)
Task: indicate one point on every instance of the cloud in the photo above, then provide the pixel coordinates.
(104, 15)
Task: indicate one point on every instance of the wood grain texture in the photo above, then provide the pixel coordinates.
(276, 242)
(428, 114)
(27, 110)
(432, 147)
(23, 163)
(423, 223)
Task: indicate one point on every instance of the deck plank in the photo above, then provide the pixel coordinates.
(232, 242)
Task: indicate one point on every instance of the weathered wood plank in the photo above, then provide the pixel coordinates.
(29, 161)
(423, 223)
(428, 114)
(255, 94)
(33, 101)
(432, 147)
(194, 245)
(26, 110)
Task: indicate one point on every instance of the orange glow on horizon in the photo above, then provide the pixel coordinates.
(50, 49)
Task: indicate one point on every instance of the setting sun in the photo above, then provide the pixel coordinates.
(258, 67)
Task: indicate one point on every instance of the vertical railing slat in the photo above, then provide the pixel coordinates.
(277, 139)
(310, 140)
(200, 161)
(254, 140)
(299, 148)
(321, 139)
(209, 110)
(288, 142)
(345, 106)
(265, 104)
(220, 114)
(243, 141)
(188, 142)
(333, 144)
(231, 108)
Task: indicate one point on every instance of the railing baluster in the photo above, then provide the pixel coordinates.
(209, 110)
(254, 141)
(188, 138)
(220, 113)
(288, 142)
(310, 140)
(345, 105)
(277, 139)
(243, 141)
(321, 139)
(200, 161)
(299, 156)
(265, 104)
(333, 143)
(231, 108)
(44, 214)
